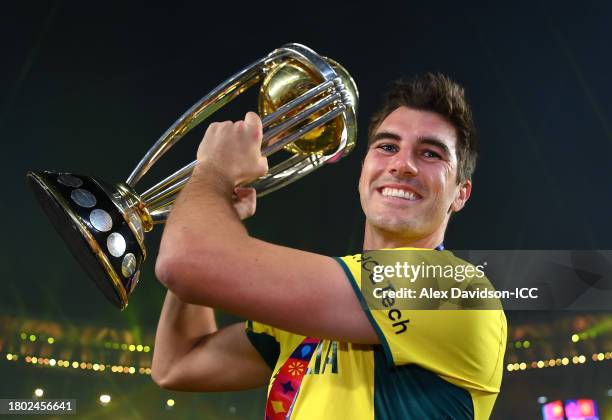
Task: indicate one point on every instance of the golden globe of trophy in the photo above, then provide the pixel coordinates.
(308, 107)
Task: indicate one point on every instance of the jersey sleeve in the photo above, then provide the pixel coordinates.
(465, 347)
(264, 339)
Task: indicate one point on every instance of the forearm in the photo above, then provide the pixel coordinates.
(205, 207)
(181, 326)
(202, 223)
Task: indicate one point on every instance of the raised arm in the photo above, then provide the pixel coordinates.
(207, 257)
(191, 354)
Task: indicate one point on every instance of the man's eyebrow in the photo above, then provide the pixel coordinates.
(386, 135)
(437, 143)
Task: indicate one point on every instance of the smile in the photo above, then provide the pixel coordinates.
(399, 193)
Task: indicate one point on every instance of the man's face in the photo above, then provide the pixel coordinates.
(408, 184)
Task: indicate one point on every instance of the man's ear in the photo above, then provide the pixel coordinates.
(463, 196)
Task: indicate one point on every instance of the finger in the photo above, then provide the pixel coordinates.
(263, 162)
(253, 121)
(245, 202)
(243, 192)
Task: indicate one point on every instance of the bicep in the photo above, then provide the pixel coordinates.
(223, 361)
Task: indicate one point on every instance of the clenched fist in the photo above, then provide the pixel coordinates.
(233, 149)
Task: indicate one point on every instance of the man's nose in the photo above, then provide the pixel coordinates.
(403, 164)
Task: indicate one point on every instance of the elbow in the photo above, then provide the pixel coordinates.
(164, 382)
(170, 382)
(163, 377)
(180, 277)
(168, 272)
(164, 270)
(169, 265)
(190, 268)
(169, 262)
(159, 378)
(159, 371)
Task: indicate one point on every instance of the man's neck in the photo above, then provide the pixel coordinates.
(378, 239)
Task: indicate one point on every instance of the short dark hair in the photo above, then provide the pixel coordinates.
(436, 93)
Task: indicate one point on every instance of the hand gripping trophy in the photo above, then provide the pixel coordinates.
(308, 107)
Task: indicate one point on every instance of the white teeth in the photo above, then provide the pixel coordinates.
(394, 192)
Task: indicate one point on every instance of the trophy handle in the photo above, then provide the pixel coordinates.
(217, 98)
(159, 198)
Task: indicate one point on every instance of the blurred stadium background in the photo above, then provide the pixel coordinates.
(88, 87)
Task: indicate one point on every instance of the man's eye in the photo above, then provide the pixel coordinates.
(431, 154)
(387, 147)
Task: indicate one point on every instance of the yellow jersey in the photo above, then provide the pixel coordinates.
(431, 364)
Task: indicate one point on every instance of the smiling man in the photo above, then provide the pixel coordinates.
(321, 354)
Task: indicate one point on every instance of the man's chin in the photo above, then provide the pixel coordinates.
(399, 228)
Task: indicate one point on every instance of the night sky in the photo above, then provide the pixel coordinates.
(88, 87)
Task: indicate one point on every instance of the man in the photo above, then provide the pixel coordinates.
(328, 358)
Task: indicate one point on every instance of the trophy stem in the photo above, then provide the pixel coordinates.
(167, 195)
(135, 202)
(220, 96)
(154, 191)
(160, 216)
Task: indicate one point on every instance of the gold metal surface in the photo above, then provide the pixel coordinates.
(351, 89)
(285, 83)
(290, 80)
(135, 203)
